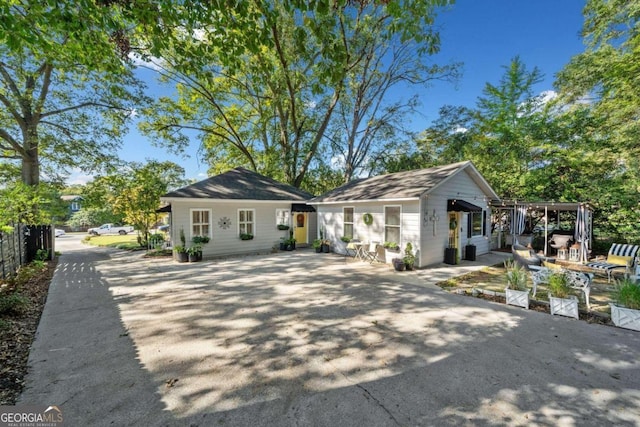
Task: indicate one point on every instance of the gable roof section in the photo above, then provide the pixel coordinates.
(403, 185)
(239, 184)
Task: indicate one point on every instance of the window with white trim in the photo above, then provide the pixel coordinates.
(392, 216)
(283, 217)
(201, 222)
(246, 221)
(347, 222)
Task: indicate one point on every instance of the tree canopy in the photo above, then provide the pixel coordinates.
(270, 104)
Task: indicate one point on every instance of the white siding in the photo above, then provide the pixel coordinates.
(330, 219)
(227, 241)
(460, 187)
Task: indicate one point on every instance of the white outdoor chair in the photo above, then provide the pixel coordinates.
(577, 280)
(372, 252)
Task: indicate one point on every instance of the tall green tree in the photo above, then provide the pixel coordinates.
(264, 93)
(134, 192)
(66, 88)
(604, 79)
(500, 135)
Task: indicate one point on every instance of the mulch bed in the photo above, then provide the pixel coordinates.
(17, 332)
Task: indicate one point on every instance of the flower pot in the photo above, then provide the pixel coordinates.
(326, 248)
(470, 252)
(624, 317)
(288, 247)
(517, 298)
(182, 256)
(409, 267)
(564, 306)
(399, 265)
(283, 246)
(318, 249)
(450, 255)
(193, 257)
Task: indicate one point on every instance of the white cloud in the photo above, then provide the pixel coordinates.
(78, 177)
(152, 62)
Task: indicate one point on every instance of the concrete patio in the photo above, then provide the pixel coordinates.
(307, 339)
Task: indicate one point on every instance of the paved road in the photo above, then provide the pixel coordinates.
(301, 339)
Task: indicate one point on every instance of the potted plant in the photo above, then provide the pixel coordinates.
(470, 251)
(317, 245)
(409, 258)
(326, 246)
(200, 240)
(451, 256)
(180, 253)
(391, 246)
(290, 244)
(183, 239)
(399, 264)
(194, 253)
(625, 312)
(516, 290)
(561, 301)
(283, 227)
(246, 236)
(283, 244)
(345, 239)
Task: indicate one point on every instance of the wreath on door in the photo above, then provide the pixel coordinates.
(367, 218)
(453, 224)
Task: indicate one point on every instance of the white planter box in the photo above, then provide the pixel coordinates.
(625, 317)
(518, 298)
(564, 306)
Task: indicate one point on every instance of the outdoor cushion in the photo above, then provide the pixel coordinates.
(620, 256)
(551, 265)
(617, 259)
(524, 254)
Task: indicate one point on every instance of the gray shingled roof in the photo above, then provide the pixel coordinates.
(241, 184)
(400, 185)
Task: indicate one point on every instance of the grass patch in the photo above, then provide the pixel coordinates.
(127, 241)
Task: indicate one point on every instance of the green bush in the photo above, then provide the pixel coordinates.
(516, 275)
(627, 294)
(559, 285)
(13, 303)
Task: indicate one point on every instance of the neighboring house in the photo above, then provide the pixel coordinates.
(240, 202)
(74, 202)
(436, 208)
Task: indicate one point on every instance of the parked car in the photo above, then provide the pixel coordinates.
(110, 229)
(59, 232)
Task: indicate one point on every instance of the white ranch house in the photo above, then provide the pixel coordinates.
(434, 209)
(238, 202)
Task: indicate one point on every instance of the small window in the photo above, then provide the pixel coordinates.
(246, 221)
(347, 222)
(283, 217)
(392, 215)
(476, 223)
(200, 222)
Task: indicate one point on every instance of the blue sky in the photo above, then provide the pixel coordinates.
(484, 35)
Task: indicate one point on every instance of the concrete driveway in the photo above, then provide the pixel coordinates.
(302, 339)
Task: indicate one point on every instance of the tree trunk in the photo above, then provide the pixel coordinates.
(31, 167)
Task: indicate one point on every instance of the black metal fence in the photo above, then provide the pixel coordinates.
(22, 245)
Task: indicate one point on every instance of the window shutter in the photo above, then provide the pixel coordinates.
(484, 223)
(469, 224)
